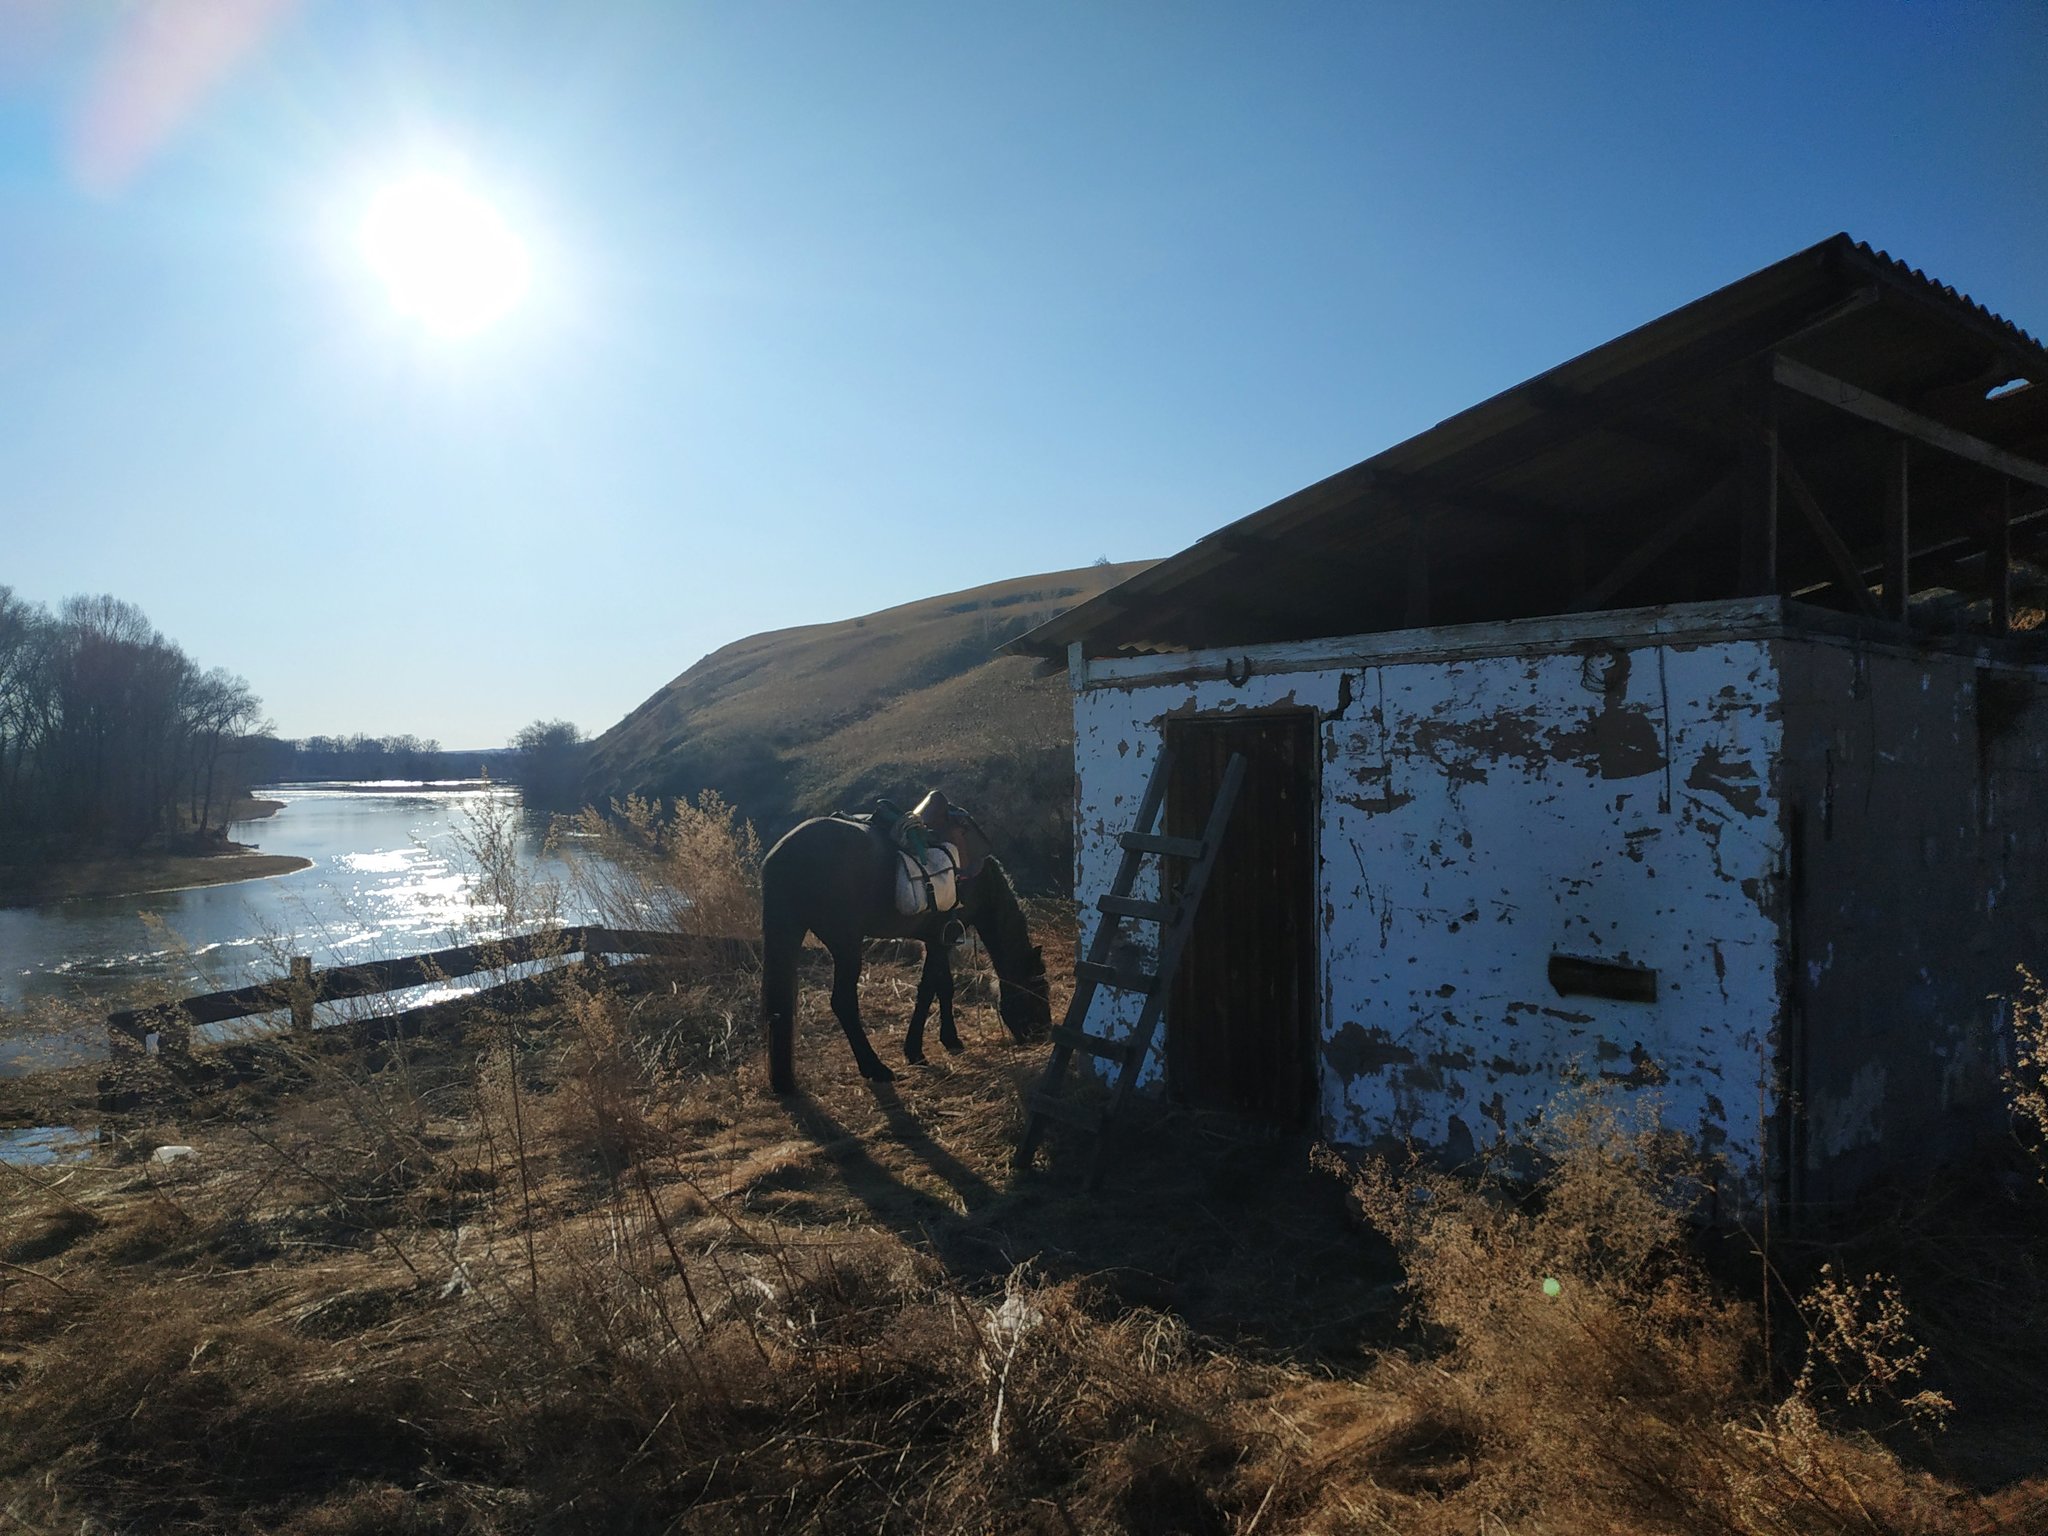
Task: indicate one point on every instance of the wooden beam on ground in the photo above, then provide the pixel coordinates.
(1652, 549)
(1844, 396)
(1847, 574)
(1898, 541)
(2001, 563)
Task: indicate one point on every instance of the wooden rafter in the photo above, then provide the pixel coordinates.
(1417, 605)
(1681, 443)
(1847, 575)
(1844, 396)
(2001, 563)
(1757, 557)
(1654, 548)
(1898, 532)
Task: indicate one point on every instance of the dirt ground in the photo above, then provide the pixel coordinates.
(574, 1269)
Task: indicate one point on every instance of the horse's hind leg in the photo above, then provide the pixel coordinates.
(846, 1009)
(781, 943)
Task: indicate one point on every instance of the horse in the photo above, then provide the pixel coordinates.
(835, 876)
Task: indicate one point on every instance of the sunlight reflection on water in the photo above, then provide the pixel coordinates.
(390, 877)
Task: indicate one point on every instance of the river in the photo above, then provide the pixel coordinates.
(390, 876)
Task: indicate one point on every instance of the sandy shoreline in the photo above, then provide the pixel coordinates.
(141, 876)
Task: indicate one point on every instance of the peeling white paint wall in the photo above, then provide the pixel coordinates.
(1481, 814)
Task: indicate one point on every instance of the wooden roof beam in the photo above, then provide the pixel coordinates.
(1655, 547)
(1692, 449)
(1844, 396)
(1848, 575)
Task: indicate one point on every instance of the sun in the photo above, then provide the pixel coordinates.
(446, 257)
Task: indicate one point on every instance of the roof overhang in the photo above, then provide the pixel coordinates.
(1651, 470)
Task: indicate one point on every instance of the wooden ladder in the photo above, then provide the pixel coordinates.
(1175, 913)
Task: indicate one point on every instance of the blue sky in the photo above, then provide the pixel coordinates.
(838, 305)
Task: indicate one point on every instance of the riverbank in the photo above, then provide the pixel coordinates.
(144, 874)
(141, 875)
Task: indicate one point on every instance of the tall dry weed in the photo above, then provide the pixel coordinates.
(2026, 1079)
(1587, 1372)
(695, 868)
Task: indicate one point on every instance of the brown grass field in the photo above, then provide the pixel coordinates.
(568, 1267)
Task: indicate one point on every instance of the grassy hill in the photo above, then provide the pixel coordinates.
(796, 722)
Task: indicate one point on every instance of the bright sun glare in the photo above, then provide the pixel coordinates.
(446, 257)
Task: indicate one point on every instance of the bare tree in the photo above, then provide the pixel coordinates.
(550, 764)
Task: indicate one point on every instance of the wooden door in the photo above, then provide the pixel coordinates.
(1241, 1018)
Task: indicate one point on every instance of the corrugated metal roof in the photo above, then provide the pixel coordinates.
(1520, 503)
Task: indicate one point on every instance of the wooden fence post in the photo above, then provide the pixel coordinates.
(301, 990)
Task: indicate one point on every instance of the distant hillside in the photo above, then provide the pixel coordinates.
(801, 721)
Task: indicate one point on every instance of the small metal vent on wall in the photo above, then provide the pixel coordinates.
(1578, 976)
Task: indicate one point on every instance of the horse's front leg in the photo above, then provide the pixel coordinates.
(913, 1038)
(934, 982)
(846, 1009)
(938, 961)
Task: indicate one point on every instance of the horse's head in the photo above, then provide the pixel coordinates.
(950, 823)
(1023, 1001)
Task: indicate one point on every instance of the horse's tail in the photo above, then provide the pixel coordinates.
(782, 940)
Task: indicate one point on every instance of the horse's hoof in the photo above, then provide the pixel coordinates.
(915, 1058)
(952, 1043)
(877, 1071)
(783, 1086)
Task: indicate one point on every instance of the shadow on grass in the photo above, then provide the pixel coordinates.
(1228, 1226)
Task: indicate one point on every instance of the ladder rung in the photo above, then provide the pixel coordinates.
(1136, 906)
(1111, 976)
(1086, 1116)
(1172, 847)
(1094, 1045)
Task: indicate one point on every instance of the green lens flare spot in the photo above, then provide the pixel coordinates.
(1550, 1286)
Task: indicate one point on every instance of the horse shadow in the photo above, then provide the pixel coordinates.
(918, 1215)
(1230, 1228)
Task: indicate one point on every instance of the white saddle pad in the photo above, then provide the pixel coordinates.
(933, 888)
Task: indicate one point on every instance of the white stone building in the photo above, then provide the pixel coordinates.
(1767, 840)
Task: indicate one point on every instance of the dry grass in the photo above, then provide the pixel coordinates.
(692, 868)
(571, 1269)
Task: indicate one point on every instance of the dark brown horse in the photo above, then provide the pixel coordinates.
(835, 876)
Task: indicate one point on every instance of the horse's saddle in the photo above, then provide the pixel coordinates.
(927, 866)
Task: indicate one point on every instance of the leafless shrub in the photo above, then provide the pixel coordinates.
(1861, 1350)
(506, 893)
(695, 869)
(603, 1101)
(2026, 1079)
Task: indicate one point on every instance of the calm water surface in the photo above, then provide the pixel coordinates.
(390, 877)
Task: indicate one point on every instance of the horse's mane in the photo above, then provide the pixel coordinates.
(995, 910)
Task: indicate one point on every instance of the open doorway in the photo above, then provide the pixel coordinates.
(1241, 1018)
